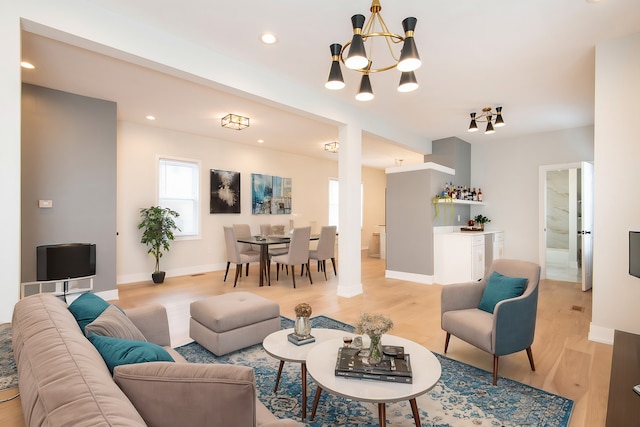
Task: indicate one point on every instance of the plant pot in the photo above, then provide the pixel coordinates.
(158, 276)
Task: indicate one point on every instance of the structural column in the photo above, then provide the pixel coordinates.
(349, 241)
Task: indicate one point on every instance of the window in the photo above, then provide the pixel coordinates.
(334, 210)
(178, 189)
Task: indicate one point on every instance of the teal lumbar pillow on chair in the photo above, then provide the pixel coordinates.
(117, 351)
(499, 288)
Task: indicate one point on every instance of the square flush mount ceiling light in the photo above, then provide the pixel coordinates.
(331, 147)
(234, 121)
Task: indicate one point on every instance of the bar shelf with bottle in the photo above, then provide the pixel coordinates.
(460, 202)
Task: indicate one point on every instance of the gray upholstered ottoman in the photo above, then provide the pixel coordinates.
(229, 322)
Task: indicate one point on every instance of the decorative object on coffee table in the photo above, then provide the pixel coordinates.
(302, 326)
(374, 325)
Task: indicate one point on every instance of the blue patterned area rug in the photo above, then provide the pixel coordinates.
(463, 397)
(8, 370)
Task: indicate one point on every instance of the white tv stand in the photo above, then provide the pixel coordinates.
(56, 287)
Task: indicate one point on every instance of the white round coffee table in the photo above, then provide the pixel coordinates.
(277, 345)
(321, 363)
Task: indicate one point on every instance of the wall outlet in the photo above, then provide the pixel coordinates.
(45, 203)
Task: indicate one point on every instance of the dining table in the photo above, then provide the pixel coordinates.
(264, 242)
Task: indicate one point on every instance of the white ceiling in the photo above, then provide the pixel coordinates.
(533, 57)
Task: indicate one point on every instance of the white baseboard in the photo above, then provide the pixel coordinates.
(409, 277)
(601, 334)
(197, 269)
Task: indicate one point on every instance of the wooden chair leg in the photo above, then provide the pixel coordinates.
(530, 355)
(247, 273)
(277, 272)
(333, 261)
(446, 342)
(226, 272)
(495, 370)
(238, 272)
(310, 279)
(293, 275)
(324, 268)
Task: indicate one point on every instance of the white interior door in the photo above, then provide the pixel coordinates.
(586, 226)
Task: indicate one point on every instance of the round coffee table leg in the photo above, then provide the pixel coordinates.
(382, 414)
(304, 390)
(278, 377)
(315, 402)
(414, 409)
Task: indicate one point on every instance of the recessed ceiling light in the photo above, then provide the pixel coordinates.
(28, 65)
(150, 117)
(268, 38)
(260, 141)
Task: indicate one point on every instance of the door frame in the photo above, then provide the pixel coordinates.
(542, 210)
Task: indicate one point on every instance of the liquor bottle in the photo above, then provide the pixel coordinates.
(474, 195)
(479, 194)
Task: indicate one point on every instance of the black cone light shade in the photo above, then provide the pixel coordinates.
(499, 121)
(408, 82)
(335, 80)
(366, 92)
(357, 58)
(409, 57)
(473, 126)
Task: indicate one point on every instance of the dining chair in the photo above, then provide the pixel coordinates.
(234, 255)
(267, 230)
(325, 250)
(243, 230)
(298, 253)
(496, 314)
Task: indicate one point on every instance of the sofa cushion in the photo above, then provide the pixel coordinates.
(86, 308)
(116, 351)
(114, 323)
(499, 288)
(159, 392)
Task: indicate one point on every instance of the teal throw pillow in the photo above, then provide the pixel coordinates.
(117, 351)
(499, 288)
(86, 308)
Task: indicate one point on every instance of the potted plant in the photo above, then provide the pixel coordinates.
(480, 221)
(158, 225)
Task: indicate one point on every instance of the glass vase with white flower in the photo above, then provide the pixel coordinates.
(374, 325)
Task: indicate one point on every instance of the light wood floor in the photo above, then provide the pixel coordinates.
(566, 362)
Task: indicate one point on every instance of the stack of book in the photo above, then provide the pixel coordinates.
(300, 341)
(395, 365)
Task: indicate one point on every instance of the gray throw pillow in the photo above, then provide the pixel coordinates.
(113, 323)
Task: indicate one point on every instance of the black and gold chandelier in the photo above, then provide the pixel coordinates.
(487, 115)
(366, 36)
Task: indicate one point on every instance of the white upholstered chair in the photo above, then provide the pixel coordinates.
(326, 249)
(298, 253)
(243, 230)
(234, 255)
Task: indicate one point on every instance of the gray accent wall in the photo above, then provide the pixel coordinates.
(68, 157)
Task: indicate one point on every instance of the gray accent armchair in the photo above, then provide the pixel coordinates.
(509, 329)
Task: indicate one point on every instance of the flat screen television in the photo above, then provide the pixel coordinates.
(65, 261)
(634, 253)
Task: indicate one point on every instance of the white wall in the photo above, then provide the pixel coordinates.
(616, 295)
(507, 172)
(138, 149)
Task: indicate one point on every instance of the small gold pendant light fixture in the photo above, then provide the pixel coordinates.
(487, 116)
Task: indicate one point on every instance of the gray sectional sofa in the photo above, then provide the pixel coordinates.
(64, 380)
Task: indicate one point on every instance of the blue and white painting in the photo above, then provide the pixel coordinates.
(261, 193)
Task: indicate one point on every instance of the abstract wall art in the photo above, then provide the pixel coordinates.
(225, 192)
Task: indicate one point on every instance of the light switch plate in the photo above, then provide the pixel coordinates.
(45, 203)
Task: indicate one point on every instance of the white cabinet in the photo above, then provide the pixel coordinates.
(465, 256)
(458, 257)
